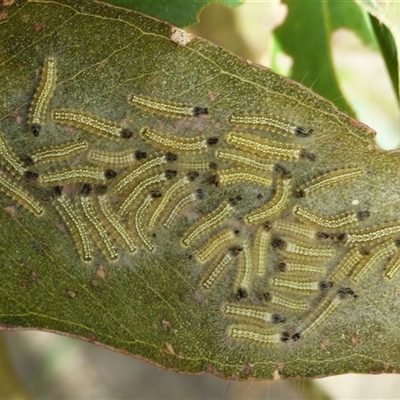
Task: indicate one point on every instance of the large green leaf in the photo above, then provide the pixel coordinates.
(386, 13)
(153, 304)
(179, 13)
(305, 36)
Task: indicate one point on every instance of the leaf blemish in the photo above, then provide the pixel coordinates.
(181, 37)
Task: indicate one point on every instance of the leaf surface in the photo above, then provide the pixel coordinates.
(160, 303)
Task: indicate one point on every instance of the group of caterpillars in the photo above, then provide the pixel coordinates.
(117, 200)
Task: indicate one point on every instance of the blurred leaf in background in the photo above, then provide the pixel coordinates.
(306, 37)
(176, 12)
(385, 17)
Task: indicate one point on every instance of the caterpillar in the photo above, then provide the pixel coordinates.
(166, 108)
(43, 94)
(90, 123)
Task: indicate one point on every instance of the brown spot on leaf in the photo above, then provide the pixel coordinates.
(95, 283)
(8, 2)
(3, 15)
(101, 272)
(38, 27)
(324, 344)
(70, 294)
(34, 275)
(92, 338)
(170, 349)
(61, 226)
(11, 211)
(179, 36)
(353, 340)
(19, 119)
(213, 96)
(210, 369)
(166, 325)
(217, 126)
(70, 130)
(275, 375)
(247, 368)
(279, 368)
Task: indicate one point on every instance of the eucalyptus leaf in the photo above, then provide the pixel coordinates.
(237, 150)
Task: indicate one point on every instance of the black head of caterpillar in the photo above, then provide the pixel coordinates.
(301, 132)
(241, 294)
(85, 189)
(140, 155)
(109, 174)
(126, 133)
(170, 157)
(197, 111)
(35, 128)
(30, 176)
(344, 292)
